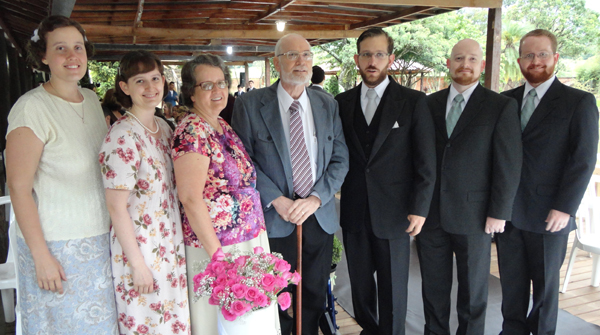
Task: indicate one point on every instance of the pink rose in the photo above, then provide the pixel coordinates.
(130, 322)
(182, 281)
(239, 290)
(239, 308)
(246, 207)
(121, 141)
(241, 260)
(258, 250)
(295, 278)
(167, 316)
(213, 301)
(122, 317)
(218, 256)
(107, 139)
(268, 282)
(138, 146)
(101, 158)
(141, 239)
(150, 160)
(143, 184)
(261, 300)
(174, 283)
(284, 300)
(161, 227)
(251, 293)
(218, 268)
(147, 220)
(142, 329)
(282, 266)
(162, 251)
(133, 293)
(229, 316)
(280, 282)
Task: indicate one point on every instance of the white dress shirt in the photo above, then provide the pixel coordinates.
(466, 95)
(540, 91)
(379, 89)
(310, 135)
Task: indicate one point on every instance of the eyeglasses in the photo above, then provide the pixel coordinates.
(293, 55)
(542, 55)
(378, 55)
(209, 85)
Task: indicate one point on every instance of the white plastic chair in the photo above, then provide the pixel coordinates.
(587, 237)
(9, 273)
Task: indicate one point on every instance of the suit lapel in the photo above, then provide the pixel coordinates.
(392, 102)
(470, 112)
(272, 118)
(439, 112)
(545, 106)
(350, 106)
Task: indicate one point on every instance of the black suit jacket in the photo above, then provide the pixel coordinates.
(560, 144)
(398, 178)
(320, 89)
(478, 167)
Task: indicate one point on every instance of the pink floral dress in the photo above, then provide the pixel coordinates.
(230, 190)
(132, 159)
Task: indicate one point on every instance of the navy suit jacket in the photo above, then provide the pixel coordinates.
(257, 121)
(560, 145)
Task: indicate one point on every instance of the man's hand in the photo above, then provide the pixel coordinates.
(282, 206)
(303, 208)
(556, 220)
(416, 223)
(494, 225)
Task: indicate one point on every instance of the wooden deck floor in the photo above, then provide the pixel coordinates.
(581, 299)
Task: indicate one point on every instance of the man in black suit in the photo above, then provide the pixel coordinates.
(560, 139)
(317, 80)
(388, 189)
(479, 155)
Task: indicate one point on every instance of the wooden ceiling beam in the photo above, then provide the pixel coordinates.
(107, 30)
(395, 16)
(272, 10)
(167, 58)
(430, 3)
(176, 48)
(229, 26)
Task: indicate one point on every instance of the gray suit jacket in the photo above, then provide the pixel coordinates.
(257, 121)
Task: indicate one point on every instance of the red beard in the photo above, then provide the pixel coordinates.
(463, 80)
(538, 77)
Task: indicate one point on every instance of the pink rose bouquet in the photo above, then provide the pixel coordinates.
(242, 282)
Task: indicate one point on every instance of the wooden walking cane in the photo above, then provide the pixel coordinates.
(298, 307)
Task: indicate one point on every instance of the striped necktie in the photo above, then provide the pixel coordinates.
(301, 171)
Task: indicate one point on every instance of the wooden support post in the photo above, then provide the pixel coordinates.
(493, 49)
(5, 82)
(267, 72)
(247, 75)
(13, 72)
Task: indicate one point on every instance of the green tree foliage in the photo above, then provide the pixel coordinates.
(103, 73)
(340, 54)
(510, 71)
(588, 75)
(332, 85)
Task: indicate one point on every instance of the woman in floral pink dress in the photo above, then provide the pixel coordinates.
(217, 181)
(147, 251)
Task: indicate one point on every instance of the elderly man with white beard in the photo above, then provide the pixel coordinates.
(294, 137)
(479, 155)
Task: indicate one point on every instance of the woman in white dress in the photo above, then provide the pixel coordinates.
(148, 256)
(54, 134)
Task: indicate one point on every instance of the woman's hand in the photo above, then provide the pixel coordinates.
(143, 282)
(50, 274)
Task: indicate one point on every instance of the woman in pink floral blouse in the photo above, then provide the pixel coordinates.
(147, 251)
(216, 180)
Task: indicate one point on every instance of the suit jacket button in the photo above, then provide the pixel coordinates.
(368, 170)
(269, 138)
(329, 137)
(448, 145)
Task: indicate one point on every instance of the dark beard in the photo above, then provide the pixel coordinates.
(539, 78)
(375, 82)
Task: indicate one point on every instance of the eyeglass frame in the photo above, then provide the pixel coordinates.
(368, 55)
(526, 57)
(300, 55)
(213, 83)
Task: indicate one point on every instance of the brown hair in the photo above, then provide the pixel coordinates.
(188, 75)
(36, 50)
(132, 64)
(540, 32)
(374, 32)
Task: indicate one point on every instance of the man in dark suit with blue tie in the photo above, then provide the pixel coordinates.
(387, 192)
(560, 139)
(479, 155)
(294, 137)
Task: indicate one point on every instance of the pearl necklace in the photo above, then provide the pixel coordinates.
(141, 124)
(82, 117)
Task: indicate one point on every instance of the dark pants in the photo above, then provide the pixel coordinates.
(367, 254)
(524, 258)
(436, 249)
(317, 247)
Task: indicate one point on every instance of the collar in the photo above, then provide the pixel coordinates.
(379, 89)
(541, 89)
(317, 85)
(466, 94)
(286, 100)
